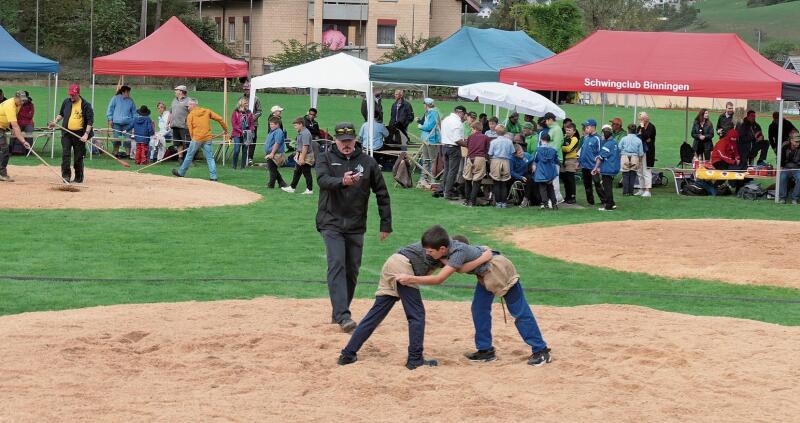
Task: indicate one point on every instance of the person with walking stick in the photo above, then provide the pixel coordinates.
(8, 121)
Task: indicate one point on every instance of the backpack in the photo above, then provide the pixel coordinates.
(401, 171)
(687, 153)
(752, 191)
(694, 188)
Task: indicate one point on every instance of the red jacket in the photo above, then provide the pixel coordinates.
(236, 122)
(25, 114)
(726, 149)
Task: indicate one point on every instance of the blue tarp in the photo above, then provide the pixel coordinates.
(16, 58)
(470, 55)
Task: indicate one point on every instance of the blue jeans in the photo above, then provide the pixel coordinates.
(519, 309)
(193, 147)
(237, 146)
(121, 127)
(786, 174)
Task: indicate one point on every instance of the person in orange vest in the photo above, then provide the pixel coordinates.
(198, 121)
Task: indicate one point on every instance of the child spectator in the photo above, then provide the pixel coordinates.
(569, 151)
(158, 142)
(497, 277)
(590, 149)
(607, 165)
(411, 260)
(493, 121)
(500, 150)
(142, 131)
(275, 147)
(475, 165)
(546, 168)
(630, 146)
(303, 158)
(243, 124)
(521, 171)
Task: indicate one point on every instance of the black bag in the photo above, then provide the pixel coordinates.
(687, 153)
(694, 189)
(752, 191)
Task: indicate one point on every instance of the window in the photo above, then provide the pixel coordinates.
(386, 31)
(218, 22)
(246, 29)
(232, 29)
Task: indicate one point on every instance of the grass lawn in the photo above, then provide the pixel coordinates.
(777, 22)
(271, 247)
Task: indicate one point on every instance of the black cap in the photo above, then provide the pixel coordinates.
(144, 111)
(461, 109)
(345, 132)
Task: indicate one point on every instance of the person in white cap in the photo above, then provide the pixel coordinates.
(178, 112)
(276, 111)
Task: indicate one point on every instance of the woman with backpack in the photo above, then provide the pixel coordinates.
(243, 123)
(703, 135)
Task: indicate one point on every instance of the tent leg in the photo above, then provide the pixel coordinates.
(635, 106)
(603, 103)
(49, 93)
(780, 150)
(370, 118)
(55, 97)
(91, 150)
(224, 111)
(686, 123)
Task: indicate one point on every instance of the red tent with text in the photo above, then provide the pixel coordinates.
(660, 63)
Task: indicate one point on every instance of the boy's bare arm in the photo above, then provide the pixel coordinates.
(426, 280)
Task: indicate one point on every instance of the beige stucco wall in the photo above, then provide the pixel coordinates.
(445, 17)
(665, 102)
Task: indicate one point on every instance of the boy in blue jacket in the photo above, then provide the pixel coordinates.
(590, 149)
(142, 131)
(546, 170)
(607, 165)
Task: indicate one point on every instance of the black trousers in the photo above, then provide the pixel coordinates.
(415, 314)
(568, 178)
(452, 158)
(304, 170)
(702, 148)
(251, 149)
(344, 260)
(532, 191)
(274, 175)
(629, 181)
(180, 137)
(401, 139)
(72, 149)
(547, 192)
(608, 191)
(500, 190)
(588, 180)
(5, 152)
(472, 189)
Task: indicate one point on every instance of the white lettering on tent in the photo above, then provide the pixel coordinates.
(636, 85)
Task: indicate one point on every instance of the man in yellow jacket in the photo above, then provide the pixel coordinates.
(199, 124)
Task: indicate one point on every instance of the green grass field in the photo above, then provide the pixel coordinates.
(271, 247)
(777, 22)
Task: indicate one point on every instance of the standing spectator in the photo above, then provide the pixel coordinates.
(8, 121)
(80, 119)
(631, 149)
(158, 143)
(25, 122)
(346, 177)
(198, 121)
(452, 132)
(617, 131)
(430, 133)
(243, 131)
(275, 147)
(513, 125)
(556, 135)
(379, 132)
(303, 158)
(749, 134)
(725, 121)
(276, 111)
(790, 168)
(402, 115)
(569, 164)
(310, 122)
(528, 138)
(178, 111)
(607, 165)
(500, 151)
(703, 135)
(257, 112)
(378, 112)
(546, 169)
(475, 165)
(493, 121)
(484, 120)
(590, 149)
(141, 130)
(647, 133)
(772, 132)
(726, 153)
(120, 114)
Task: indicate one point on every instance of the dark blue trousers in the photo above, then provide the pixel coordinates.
(519, 309)
(415, 314)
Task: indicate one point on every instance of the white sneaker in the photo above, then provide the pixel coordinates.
(288, 189)
(308, 192)
(639, 193)
(646, 194)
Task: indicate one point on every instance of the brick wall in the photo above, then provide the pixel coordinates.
(445, 17)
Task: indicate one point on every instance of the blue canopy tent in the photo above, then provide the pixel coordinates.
(16, 58)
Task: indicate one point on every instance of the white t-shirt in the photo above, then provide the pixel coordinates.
(452, 129)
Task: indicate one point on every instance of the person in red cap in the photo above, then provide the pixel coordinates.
(79, 117)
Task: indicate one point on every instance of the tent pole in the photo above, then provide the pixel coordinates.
(635, 106)
(91, 150)
(686, 123)
(780, 150)
(603, 102)
(224, 112)
(53, 143)
(370, 118)
(49, 93)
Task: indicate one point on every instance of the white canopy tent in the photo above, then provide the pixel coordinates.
(511, 97)
(338, 72)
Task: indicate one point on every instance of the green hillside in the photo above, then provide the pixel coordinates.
(778, 22)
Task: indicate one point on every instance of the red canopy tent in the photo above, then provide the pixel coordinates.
(660, 63)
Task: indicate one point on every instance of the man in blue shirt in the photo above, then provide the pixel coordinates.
(379, 132)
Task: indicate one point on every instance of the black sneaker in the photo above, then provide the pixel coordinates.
(413, 365)
(176, 173)
(437, 194)
(212, 180)
(348, 325)
(540, 358)
(481, 355)
(346, 359)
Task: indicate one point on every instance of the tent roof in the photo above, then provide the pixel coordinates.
(338, 72)
(470, 55)
(660, 63)
(172, 50)
(17, 58)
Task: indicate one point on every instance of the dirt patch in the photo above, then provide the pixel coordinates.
(37, 188)
(274, 360)
(757, 252)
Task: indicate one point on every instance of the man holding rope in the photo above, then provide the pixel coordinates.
(80, 119)
(198, 121)
(8, 120)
